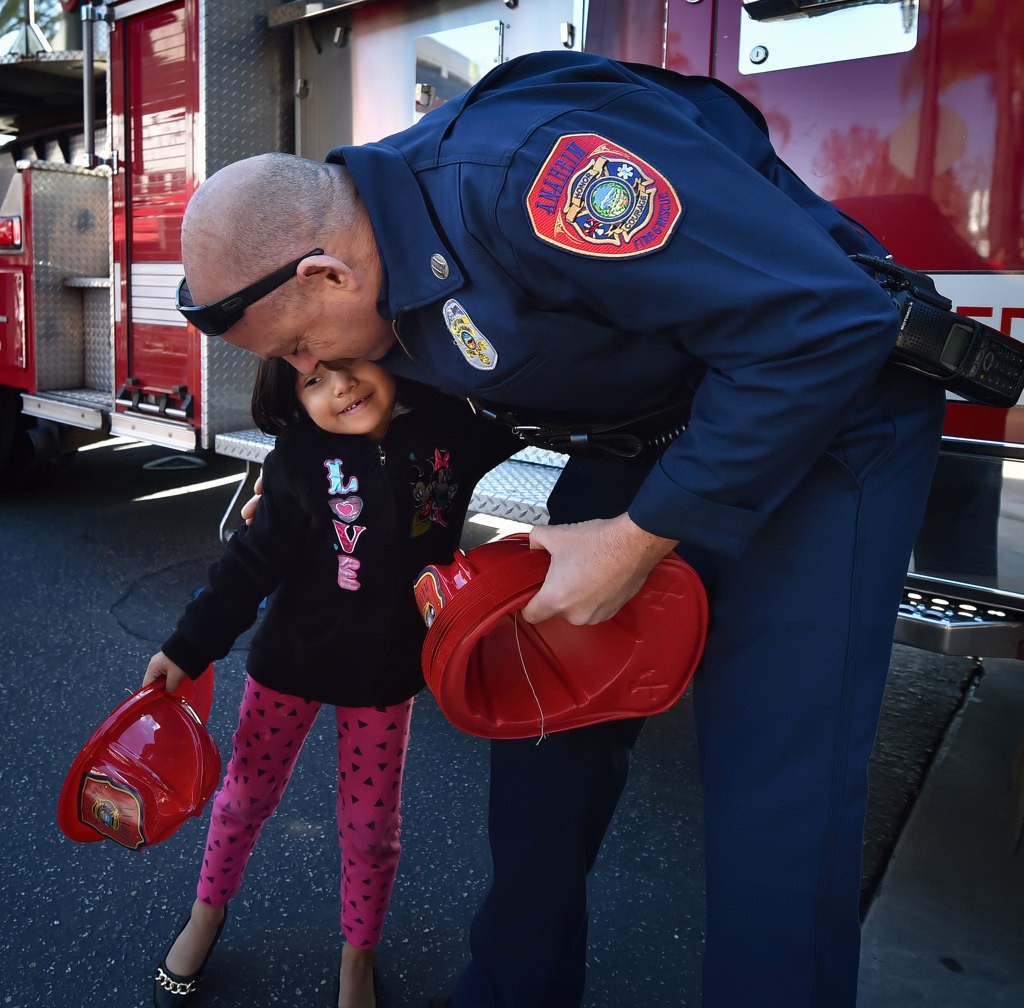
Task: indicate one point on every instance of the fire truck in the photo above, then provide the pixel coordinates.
(907, 114)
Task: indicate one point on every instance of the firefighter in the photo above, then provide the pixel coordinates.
(572, 243)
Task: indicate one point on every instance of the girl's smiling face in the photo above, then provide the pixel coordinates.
(350, 397)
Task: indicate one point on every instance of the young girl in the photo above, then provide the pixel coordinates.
(369, 482)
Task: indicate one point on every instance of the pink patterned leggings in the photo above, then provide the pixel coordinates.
(272, 728)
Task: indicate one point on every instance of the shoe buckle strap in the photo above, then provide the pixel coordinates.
(175, 986)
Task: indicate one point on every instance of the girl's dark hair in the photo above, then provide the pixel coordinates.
(275, 400)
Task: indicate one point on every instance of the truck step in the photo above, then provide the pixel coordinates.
(959, 623)
(249, 445)
(518, 488)
(84, 407)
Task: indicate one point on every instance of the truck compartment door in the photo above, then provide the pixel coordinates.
(157, 353)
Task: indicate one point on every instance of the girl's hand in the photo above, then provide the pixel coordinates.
(249, 507)
(161, 667)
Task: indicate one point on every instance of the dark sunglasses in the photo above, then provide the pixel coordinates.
(217, 318)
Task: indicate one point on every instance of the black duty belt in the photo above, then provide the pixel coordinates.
(640, 437)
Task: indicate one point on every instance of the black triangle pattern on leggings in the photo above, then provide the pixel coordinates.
(250, 793)
(246, 799)
(368, 877)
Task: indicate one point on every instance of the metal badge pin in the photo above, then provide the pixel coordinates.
(439, 266)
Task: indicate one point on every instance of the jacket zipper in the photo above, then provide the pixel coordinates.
(383, 454)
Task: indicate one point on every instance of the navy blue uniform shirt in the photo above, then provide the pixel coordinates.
(586, 239)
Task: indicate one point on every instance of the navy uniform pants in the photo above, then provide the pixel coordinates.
(787, 700)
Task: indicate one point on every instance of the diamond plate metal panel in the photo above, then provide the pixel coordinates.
(245, 86)
(509, 508)
(99, 341)
(517, 490)
(251, 445)
(87, 398)
(227, 375)
(541, 456)
(245, 83)
(70, 238)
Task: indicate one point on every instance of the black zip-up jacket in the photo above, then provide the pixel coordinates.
(343, 529)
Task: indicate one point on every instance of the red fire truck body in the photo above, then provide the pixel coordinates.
(908, 116)
(906, 113)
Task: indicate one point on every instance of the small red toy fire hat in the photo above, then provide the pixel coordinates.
(149, 767)
(496, 676)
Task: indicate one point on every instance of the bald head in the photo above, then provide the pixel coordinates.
(254, 215)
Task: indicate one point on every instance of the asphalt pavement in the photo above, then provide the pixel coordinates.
(96, 566)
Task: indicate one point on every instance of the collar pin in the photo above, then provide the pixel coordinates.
(439, 266)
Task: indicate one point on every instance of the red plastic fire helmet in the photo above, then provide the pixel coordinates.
(496, 676)
(149, 767)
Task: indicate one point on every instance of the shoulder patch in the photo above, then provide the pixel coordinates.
(595, 198)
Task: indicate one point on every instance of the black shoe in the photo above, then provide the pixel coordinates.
(173, 991)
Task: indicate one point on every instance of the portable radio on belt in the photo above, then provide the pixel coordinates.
(973, 360)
